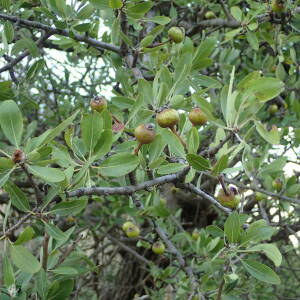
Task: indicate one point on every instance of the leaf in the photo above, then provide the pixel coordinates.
(156, 148)
(8, 272)
(54, 232)
(6, 163)
(42, 284)
(4, 177)
(11, 121)
(162, 20)
(193, 140)
(91, 127)
(260, 271)
(170, 168)
(47, 174)
(17, 197)
(9, 31)
(270, 250)
(6, 91)
(60, 290)
(220, 165)
(24, 260)
(65, 270)
(25, 236)
(119, 165)
(104, 144)
(214, 230)
(252, 40)
(173, 143)
(198, 162)
(69, 207)
(271, 136)
(233, 227)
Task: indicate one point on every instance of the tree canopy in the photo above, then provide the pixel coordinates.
(149, 149)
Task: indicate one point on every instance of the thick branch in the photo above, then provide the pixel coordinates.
(51, 30)
(130, 189)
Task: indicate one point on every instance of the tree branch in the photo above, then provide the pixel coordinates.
(51, 30)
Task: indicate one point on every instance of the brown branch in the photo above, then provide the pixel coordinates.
(51, 30)
(130, 189)
(45, 251)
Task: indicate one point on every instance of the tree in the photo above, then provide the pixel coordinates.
(149, 149)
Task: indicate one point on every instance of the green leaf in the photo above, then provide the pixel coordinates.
(198, 162)
(137, 11)
(91, 127)
(193, 140)
(174, 143)
(17, 197)
(119, 165)
(6, 91)
(271, 136)
(170, 168)
(24, 260)
(69, 207)
(260, 271)
(252, 40)
(35, 69)
(270, 250)
(220, 165)
(42, 284)
(60, 290)
(65, 270)
(4, 176)
(9, 31)
(47, 174)
(104, 144)
(25, 236)
(162, 20)
(6, 163)
(11, 121)
(86, 11)
(55, 232)
(258, 231)
(8, 272)
(214, 230)
(156, 148)
(233, 228)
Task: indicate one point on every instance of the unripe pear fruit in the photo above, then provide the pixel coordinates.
(210, 15)
(195, 235)
(127, 224)
(115, 4)
(158, 248)
(277, 184)
(132, 231)
(197, 117)
(260, 196)
(176, 34)
(98, 104)
(273, 109)
(168, 118)
(231, 200)
(145, 133)
(277, 6)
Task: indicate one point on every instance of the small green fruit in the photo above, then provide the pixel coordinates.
(115, 4)
(132, 231)
(273, 109)
(158, 248)
(176, 34)
(195, 235)
(210, 15)
(168, 118)
(98, 104)
(197, 117)
(277, 184)
(127, 224)
(260, 196)
(144, 133)
(277, 6)
(231, 200)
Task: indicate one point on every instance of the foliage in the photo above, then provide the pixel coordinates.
(71, 175)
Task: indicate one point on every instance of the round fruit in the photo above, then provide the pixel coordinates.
(18, 156)
(127, 224)
(273, 109)
(195, 235)
(132, 231)
(231, 200)
(168, 118)
(210, 15)
(260, 196)
(98, 104)
(158, 248)
(115, 4)
(277, 6)
(197, 117)
(277, 184)
(145, 133)
(176, 34)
